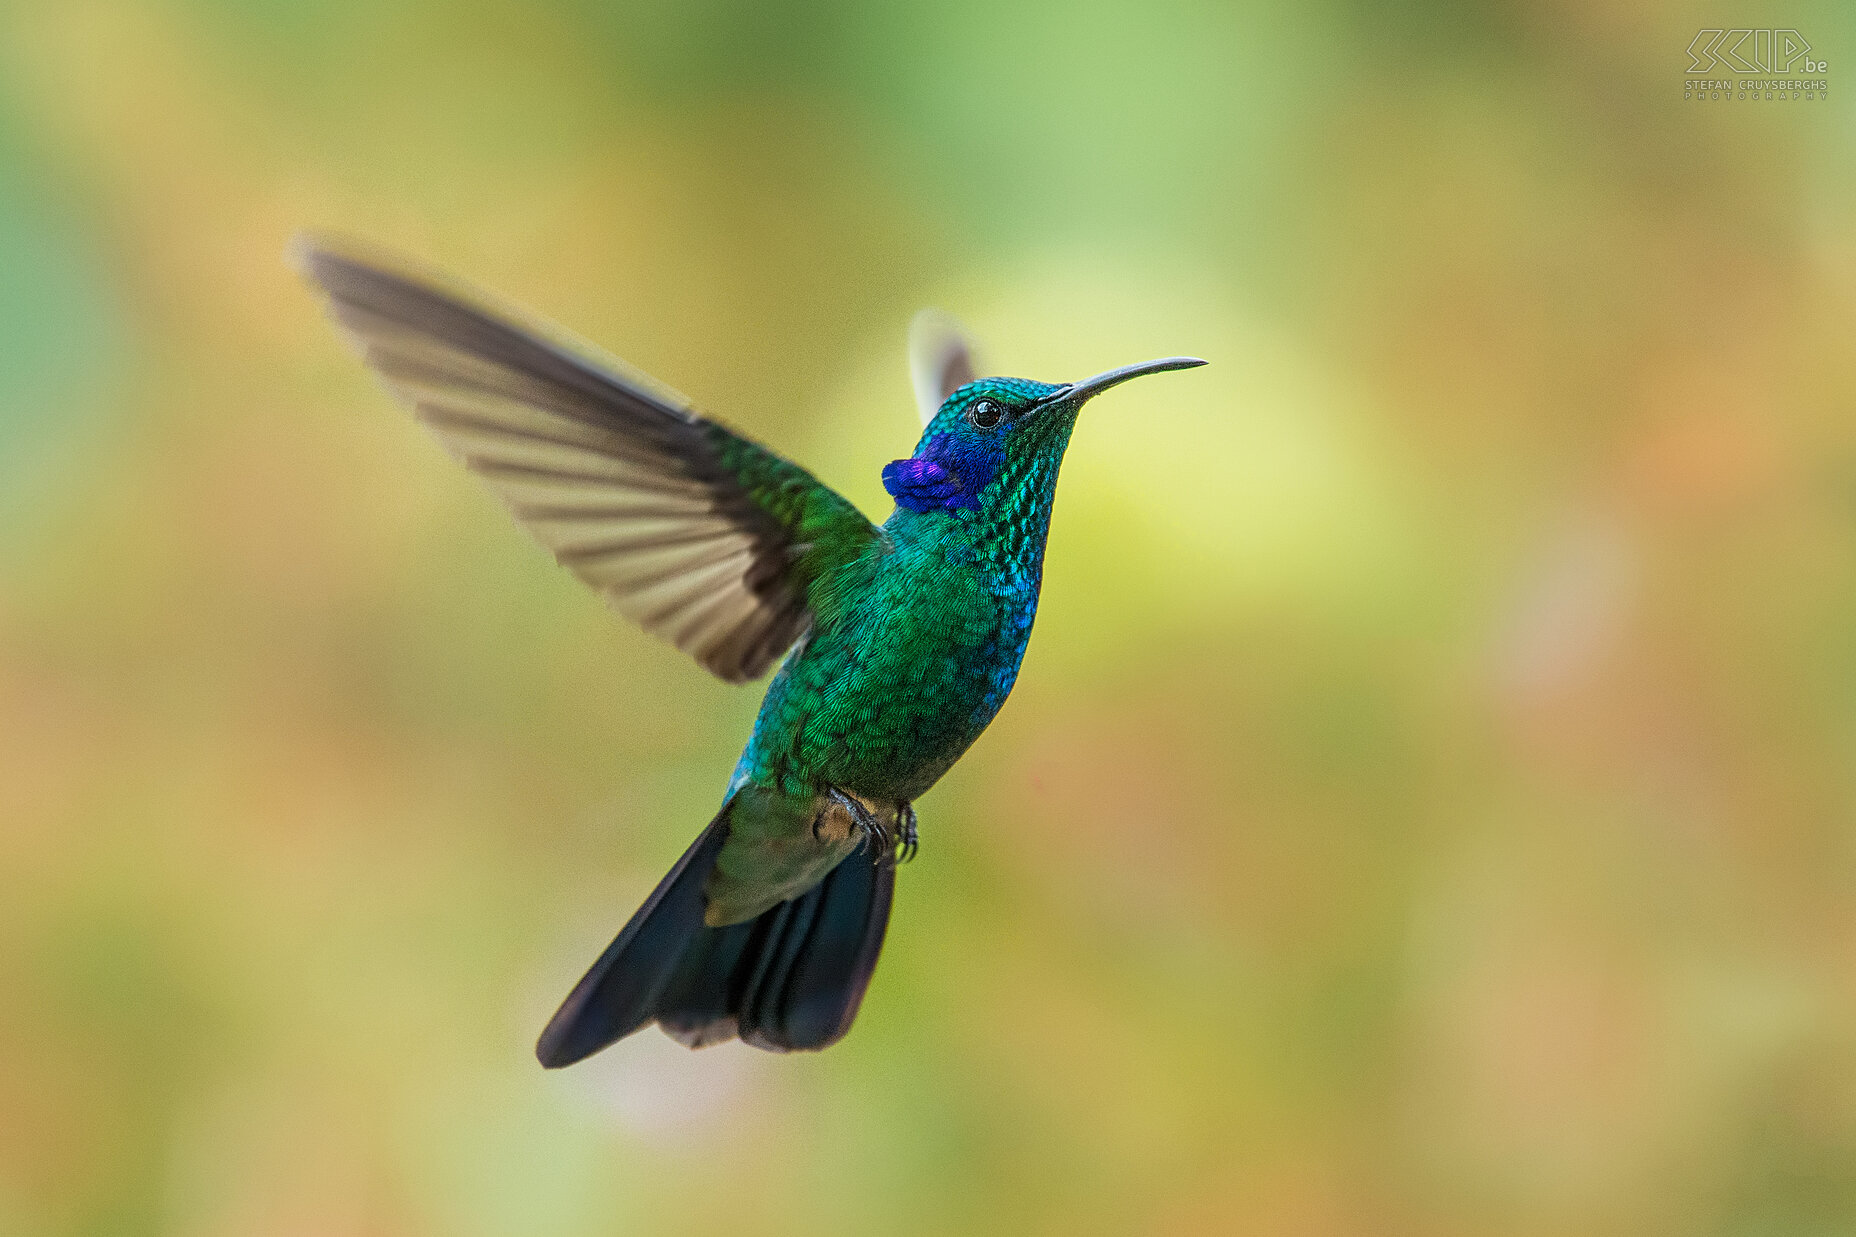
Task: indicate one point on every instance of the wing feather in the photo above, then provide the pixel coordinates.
(940, 360)
(699, 535)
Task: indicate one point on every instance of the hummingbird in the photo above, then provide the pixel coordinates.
(897, 643)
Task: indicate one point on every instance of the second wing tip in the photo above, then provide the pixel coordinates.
(331, 260)
(310, 253)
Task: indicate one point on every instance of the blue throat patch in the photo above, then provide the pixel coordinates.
(944, 477)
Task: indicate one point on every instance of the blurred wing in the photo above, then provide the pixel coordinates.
(697, 534)
(940, 360)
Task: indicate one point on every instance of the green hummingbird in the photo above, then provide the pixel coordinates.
(900, 641)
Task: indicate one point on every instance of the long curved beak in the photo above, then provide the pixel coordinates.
(1088, 388)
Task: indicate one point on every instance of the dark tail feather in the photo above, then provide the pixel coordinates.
(790, 979)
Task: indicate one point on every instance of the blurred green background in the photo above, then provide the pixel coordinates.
(1429, 804)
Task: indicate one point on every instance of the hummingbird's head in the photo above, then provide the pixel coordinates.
(995, 436)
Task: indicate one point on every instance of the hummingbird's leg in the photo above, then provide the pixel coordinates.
(905, 818)
(876, 837)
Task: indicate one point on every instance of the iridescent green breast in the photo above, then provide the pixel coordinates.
(884, 699)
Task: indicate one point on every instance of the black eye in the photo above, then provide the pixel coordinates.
(985, 413)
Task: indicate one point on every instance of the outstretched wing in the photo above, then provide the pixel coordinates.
(940, 360)
(697, 534)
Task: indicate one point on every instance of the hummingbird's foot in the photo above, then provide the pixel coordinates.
(886, 845)
(876, 837)
(905, 819)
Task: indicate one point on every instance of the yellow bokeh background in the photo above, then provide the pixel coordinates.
(1429, 803)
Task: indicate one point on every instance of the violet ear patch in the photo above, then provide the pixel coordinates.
(920, 484)
(946, 476)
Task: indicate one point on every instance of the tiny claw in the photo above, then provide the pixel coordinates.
(876, 837)
(905, 818)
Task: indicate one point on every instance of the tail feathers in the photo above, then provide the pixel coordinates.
(615, 997)
(791, 979)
